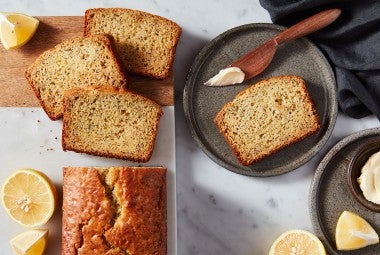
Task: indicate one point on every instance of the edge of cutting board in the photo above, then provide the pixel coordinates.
(14, 89)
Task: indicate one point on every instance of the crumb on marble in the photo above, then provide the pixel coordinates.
(272, 203)
(212, 199)
(254, 226)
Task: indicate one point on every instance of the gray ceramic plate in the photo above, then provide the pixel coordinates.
(330, 194)
(299, 57)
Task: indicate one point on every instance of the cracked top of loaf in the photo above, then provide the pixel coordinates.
(115, 210)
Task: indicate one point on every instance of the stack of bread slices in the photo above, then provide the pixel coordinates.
(84, 80)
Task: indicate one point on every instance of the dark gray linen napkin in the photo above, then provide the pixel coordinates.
(351, 43)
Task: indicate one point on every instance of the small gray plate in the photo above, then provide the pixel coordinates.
(330, 194)
(202, 103)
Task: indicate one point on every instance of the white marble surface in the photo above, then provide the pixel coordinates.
(219, 212)
(37, 145)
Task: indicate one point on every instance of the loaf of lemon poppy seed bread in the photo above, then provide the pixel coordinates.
(114, 210)
(77, 62)
(146, 43)
(267, 117)
(110, 122)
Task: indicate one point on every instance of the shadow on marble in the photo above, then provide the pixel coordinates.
(188, 48)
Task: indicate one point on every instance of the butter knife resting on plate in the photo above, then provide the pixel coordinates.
(258, 59)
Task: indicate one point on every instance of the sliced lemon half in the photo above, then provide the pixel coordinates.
(31, 242)
(353, 232)
(297, 242)
(16, 29)
(29, 197)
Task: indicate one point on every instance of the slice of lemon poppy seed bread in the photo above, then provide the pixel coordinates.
(77, 62)
(110, 122)
(267, 117)
(146, 43)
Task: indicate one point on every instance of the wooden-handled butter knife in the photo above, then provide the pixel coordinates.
(255, 61)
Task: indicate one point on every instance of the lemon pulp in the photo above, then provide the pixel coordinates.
(353, 232)
(16, 29)
(297, 242)
(32, 242)
(29, 197)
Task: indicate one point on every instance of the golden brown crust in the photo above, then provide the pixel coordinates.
(114, 210)
(104, 39)
(110, 42)
(33, 86)
(219, 121)
(68, 144)
(175, 29)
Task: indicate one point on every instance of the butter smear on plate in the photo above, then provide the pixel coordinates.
(227, 76)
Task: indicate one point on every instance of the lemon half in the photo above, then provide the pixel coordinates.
(297, 242)
(29, 197)
(16, 29)
(353, 232)
(31, 242)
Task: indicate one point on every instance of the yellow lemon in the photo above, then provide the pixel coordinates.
(353, 232)
(32, 242)
(297, 242)
(16, 29)
(29, 197)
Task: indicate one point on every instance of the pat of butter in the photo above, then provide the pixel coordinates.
(227, 76)
(369, 179)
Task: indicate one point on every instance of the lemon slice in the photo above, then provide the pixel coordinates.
(353, 232)
(16, 29)
(297, 242)
(29, 197)
(32, 242)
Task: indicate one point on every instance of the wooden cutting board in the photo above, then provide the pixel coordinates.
(14, 89)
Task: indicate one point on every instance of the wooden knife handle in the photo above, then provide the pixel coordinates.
(309, 25)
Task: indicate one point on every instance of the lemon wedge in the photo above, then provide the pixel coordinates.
(16, 29)
(31, 242)
(353, 232)
(297, 242)
(29, 197)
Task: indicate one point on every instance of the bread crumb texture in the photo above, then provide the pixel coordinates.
(146, 43)
(115, 210)
(268, 116)
(108, 122)
(77, 62)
